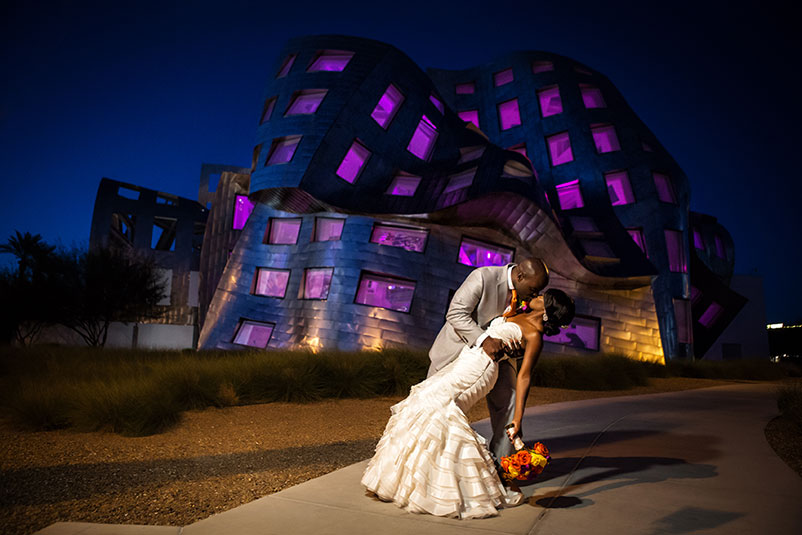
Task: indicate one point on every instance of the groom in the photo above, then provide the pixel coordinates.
(485, 295)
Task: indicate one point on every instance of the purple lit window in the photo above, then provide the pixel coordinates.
(682, 317)
(592, 96)
(597, 248)
(328, 228)
(423, 139)
(404, 185)
(285, 67)
(720, 247)
(388, 104)
(465, 89)
(242, 210)
(410, 239)
(698, 241)
(331, 60)
(282, 150)
(437, 104)
(605, 138)
(386, 292)
(306, 102)
(619, 188)
(460, 180)
(268, 109)
(542, 66)
(637, 237)
(283, 231)
(271, 282)
(710, 315)
(583, 333)
(676, 252)
(665, 190)
(583, 224)
(479, 253)
(503, 77)
(560, 148)
(508, 114)
(550, 102)
(569, 195)
(696, 294)
(316, 283)
(470, 116)
(253, 334)
(353, 163)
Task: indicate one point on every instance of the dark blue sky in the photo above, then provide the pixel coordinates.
(145, 92)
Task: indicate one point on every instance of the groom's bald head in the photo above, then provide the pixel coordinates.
(530, 277)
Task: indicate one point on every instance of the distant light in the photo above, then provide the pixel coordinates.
(775, 325)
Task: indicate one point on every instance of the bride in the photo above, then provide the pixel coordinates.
(429, 459)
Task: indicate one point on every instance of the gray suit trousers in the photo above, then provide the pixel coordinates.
(501, 404)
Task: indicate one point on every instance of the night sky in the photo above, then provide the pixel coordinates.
(144, 92)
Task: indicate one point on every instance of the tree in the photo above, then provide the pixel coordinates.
(29, 249)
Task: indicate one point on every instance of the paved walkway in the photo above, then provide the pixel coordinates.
(694, 461)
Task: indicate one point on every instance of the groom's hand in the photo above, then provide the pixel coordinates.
(492, 346)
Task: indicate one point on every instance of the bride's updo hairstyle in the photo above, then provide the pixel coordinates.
(559, 310)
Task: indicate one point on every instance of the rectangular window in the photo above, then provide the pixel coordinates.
(282, 150)
(316, 283)
(167, 201)
(570, 195)
(385, 291)
(286, 66)
(331, 60)
(676, 252)
(583, 224)
(163, 236)
(242, 211)
(605, 138)
(665, 190)
(271, 282)
(597, 248)
(411, 239)
(582, 333)
(403, 185)
(253, 333)
(305, 102)
(467, 88)
(618, 188)
(423, 139)
(460, 180)
(542, 66)
(503, 77)
(328, 228)
(698, 241)
(267, 111)
(388, 105)
(437, 103)
(720, 247)
(129, 193)
(682, 317)
(592, 96)
(353, 163)
(550, 102)
(711, 315)
(470, 116)
(508, 114)
(283, 231)
(478, 253)
(637, 237)
(123, 225)
(560, 148)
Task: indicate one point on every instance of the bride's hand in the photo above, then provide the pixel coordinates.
(513, 431)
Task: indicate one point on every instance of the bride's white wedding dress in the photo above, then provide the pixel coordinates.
(429, 459)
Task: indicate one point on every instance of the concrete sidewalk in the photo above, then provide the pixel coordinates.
(694, 461)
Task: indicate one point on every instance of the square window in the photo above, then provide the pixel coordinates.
(242, 211)
(478, 253)
(163, 236)
(469, 116)
(682, 317)
(271, 282)
(267, 111)
(605, 138)
(467, 88)
(698, 241)
(403, 185)
(711, 315)
(353, 163)
(570, 195)
(542, 66)
(437, 103)
(285, 66)
(597, 248)
(460, 180)
(720, 247)
(637, 237)
(665, 190)
(306, 102)
(423, 139)
(253, 333)
(411, 239)
(618, 188)
(331, 60)
(328, 228)
(592, 96)
(283, 231)
(508, 114)
(560, 148)
(388, 105)
(550, 102)
(282, 150)
(503, 77)
(583, 333)
(676, 252)
(385, 291)
(316, 283)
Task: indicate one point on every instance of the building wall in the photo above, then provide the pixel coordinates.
(746, 336)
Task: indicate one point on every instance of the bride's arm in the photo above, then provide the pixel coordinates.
(534, 344)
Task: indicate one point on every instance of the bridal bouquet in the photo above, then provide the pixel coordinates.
(525, 463)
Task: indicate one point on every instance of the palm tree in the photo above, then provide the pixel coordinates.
(29, 250)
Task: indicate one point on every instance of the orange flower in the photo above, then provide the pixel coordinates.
(515, 463)
(540, 449)
(524, 457)
(505, 463)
